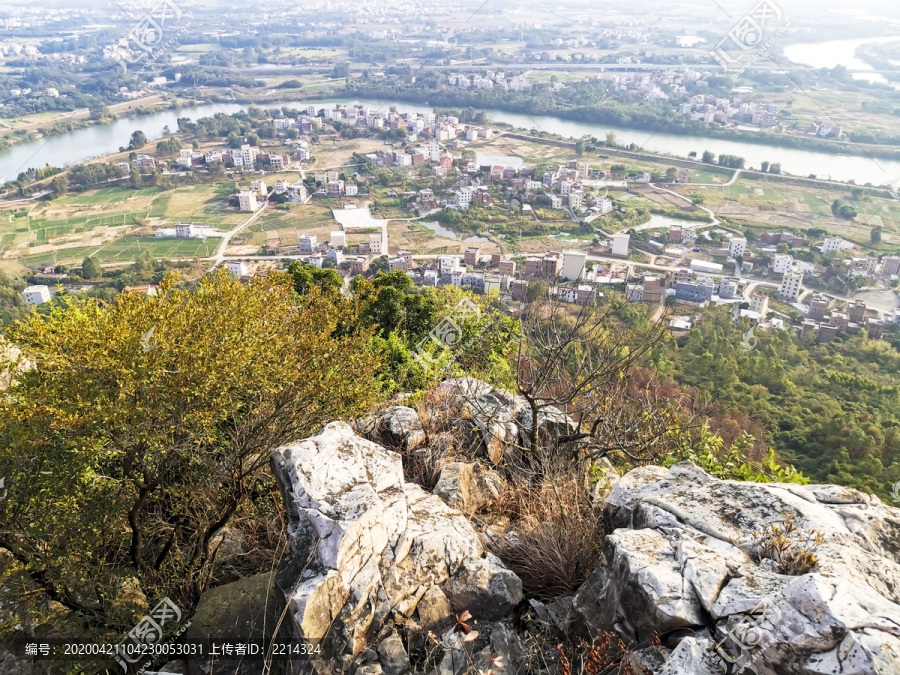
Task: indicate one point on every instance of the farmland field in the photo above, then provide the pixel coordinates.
(116, 223)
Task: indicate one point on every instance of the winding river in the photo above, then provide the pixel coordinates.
(98, 140)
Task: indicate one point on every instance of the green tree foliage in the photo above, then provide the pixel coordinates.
(138, 140)
(875, 235)
(168, 146)
(60, 185)
(90, 268)
(145, 427)
(830, 408)
(306, 277)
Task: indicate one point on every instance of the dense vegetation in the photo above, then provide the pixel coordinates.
(143, 424)
(832, 408)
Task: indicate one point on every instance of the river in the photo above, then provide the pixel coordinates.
(98, 140)
(837, 53)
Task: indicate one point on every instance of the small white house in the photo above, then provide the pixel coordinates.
(36, 295)
(237, 267)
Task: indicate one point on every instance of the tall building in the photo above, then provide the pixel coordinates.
(36, 295)
(831, 245)
(891, 265)
(620, 244)
(791, 285)
(572, 265)
(247, 200)
(736, 247)
(759, 303)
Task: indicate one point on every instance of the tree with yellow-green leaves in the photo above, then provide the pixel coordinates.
(144, 428)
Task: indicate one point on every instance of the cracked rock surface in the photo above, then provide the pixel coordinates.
(366, 547)
(683, 562)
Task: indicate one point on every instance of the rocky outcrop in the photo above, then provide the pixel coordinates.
(468, 486)
(396, 427)
(366, 548)
(501, 419)
(685, 562)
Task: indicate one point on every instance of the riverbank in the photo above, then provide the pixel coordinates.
(102, 139)
(628, 117)
(696, 164)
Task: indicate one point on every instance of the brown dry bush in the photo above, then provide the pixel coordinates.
(556, 534)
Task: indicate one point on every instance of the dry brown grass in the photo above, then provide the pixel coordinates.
(441, 416)
(557, 535)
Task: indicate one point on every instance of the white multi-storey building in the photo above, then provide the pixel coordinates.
(736, 247)
(36, 295)
(791, 285)
(572, 265)
(620, 244)
(237, 267)
(781, 263)
(307, 243)
(832, 245)
(247, 200)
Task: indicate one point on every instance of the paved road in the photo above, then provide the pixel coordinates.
(220, 256)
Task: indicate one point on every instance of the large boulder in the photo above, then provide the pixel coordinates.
(396, 427)
(502, 419)
(467, 485)
(366, 547)
(686, 558)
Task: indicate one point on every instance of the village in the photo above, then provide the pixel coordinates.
(687, 264)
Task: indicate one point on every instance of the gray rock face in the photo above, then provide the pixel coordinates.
(684, 556)
(502, 419)
(395, 427)
(467, 486)
(365, 546)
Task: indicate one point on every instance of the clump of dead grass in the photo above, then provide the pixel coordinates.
(555, 535)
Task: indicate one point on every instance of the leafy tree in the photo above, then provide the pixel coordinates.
(90, 268)
(875, 235)
(708, 157)
(60, 184)
(138, 140)
(536, 290)
(775, 167)
(306, 277)
(764, 167)
(154, 418)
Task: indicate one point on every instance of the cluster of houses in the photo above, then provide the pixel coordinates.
(490, 80)
(824, 320)
(559, 188)
(684, 88)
